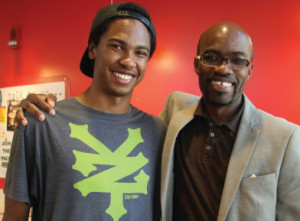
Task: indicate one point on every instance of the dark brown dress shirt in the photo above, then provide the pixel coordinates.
(202, 153)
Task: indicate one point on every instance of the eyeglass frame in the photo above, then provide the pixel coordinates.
(227, 60)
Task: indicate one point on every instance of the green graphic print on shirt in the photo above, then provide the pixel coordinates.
(123, 166)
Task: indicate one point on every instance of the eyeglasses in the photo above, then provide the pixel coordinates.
(212, 60)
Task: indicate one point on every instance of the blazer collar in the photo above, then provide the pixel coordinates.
(242, 151)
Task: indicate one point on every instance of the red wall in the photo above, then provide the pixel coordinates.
(54, 35)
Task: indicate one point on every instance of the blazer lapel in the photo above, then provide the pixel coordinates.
(242, 151)
(179, 120)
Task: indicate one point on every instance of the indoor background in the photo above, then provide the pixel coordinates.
(54, 35)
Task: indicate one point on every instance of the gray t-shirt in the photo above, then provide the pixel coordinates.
(83, 164)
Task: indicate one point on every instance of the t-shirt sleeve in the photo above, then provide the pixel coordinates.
(16, 182)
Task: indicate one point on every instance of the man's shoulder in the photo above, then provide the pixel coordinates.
(176, 102)
(148, 118)
(62, 108)
(269, 123)
(185, 99)
(263, 119)
(65, 103)
(276, 122)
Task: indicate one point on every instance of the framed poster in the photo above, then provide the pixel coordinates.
(10, 98)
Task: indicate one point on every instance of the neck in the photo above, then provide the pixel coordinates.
(103, 102)
(222, 114)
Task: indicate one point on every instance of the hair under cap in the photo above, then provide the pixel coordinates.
(104, 14)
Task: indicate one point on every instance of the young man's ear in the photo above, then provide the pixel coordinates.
(92, 48)
(197, 64)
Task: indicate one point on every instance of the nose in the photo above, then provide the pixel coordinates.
(128, 60)
(224, 68)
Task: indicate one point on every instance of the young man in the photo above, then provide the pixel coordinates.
(97, 159)
(224, 159)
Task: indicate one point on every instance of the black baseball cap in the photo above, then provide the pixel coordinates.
(115, 11)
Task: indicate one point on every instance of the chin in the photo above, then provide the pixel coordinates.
(121, 93)
(220, 104)
(221, 100)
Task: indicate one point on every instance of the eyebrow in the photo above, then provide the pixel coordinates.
(124, 43)
(218, 52)
(212, 51)
(239, 53)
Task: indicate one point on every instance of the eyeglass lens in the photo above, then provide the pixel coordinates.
(216, 61)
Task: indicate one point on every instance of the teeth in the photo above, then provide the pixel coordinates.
(225, 84)
(123, 76)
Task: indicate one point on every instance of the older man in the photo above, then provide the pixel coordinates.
(223, 159)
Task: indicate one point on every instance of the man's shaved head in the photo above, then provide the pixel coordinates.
(223, 29)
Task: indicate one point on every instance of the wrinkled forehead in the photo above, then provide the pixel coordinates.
(226, 41)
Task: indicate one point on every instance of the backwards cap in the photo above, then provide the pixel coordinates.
(110, 12)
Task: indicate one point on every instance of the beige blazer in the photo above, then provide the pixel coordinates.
(263, 177)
